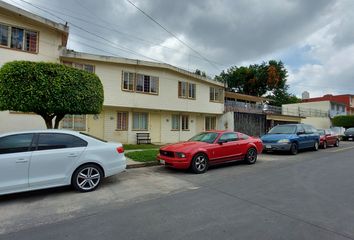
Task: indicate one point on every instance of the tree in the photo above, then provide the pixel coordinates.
(50, 90)
(343, 121)
(258, 80)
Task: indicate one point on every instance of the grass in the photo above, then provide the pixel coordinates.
(143, 156)
(140, 146)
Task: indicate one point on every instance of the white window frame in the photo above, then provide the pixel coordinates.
(140, 128)
(73, 122)
(122, 123)
(209, 122)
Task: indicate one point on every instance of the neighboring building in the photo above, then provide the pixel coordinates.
(318, 114)
(170, 103)
(25, 36)
(252, 115)
(347, 99)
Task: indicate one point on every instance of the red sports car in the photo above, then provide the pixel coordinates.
(210, 148)
(328, 137)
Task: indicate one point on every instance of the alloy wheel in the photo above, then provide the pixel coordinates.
(88, 178)
(200, 163)
(251, 156)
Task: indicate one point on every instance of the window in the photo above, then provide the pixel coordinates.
(216, 94)
(18, 38)
(15, 143)
(185, 122)
(210, 123)
(140, 121)
(4, 35)
(147, 84)
(47, 141)
(175, 121)
(74, 122)
(229, 137)
(186, 90)
(128, 81)
(82, 66)
(309, 129)
(122, 121)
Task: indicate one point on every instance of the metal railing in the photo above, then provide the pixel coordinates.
(234, 106)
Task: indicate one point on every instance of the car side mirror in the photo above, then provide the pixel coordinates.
(221, 141)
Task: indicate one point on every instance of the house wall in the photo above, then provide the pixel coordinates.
(48, 50)
(317, 122)
(159, 126)
(292, 109)
(167, 98)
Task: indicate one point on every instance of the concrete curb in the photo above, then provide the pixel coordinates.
(140, 165)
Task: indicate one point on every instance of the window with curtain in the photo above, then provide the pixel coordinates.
(175, 121)
(74, 122)
(122, 121)
(140, 121)
(185, 122)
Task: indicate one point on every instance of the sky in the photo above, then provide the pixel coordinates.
(314, 39)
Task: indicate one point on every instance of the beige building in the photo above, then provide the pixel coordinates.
(169, 103)
(25, 36)
(318, 114)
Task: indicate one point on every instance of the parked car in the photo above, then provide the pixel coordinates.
(348, 134)
(49, 158)
(210, 148)
(328, 137)
(291, 137)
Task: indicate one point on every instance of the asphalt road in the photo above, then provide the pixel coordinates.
(308, 196)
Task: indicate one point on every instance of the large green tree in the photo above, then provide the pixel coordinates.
(50, 90)
(343, 121)
(266, 79)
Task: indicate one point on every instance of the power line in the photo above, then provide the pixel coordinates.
(174, 35)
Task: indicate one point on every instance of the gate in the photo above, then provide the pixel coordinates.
(250, 123)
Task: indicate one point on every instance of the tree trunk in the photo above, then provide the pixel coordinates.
(48, 119)
(58, 118)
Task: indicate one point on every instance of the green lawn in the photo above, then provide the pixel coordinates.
(143, 156)
(140, 146)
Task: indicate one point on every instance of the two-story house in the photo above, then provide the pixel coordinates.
(347, 99)
(25, 36)
(169, 103)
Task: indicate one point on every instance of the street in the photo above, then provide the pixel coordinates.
(307, 196)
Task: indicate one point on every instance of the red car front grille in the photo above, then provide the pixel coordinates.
(167, 153)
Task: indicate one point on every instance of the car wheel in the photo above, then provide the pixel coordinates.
(337, 143)
(315, 146)
(294, 149)
(87, 178)
(251, 156)
(200, 163)
(324, 146)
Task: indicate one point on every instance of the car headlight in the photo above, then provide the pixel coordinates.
(180, 155)
(284, 141)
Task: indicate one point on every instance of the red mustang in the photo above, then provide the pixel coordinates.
(210, 148)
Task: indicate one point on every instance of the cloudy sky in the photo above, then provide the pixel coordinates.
(315, 39)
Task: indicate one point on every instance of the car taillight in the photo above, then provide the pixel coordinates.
(120, 149)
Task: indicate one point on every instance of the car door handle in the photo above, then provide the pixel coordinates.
(21, 160)
(73, 155)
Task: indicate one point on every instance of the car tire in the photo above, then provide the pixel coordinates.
(251, 156)
(87, 178)
(324, 146)
(294, 149)
(200, 163)
(315, 146)
(337, 143)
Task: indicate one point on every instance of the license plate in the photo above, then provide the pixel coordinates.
(268, 146)
(162, 162)
(350, 139)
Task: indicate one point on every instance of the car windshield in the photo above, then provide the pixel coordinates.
(283, 129)
(321, 132)
(350, 130)
(208, 137)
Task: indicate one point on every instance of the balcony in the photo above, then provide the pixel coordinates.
(234, 106)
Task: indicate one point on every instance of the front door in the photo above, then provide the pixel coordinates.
(15, 156)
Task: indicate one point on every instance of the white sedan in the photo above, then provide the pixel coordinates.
(34, 160)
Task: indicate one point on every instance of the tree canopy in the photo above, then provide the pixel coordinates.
(50, 90)
(267, 79)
